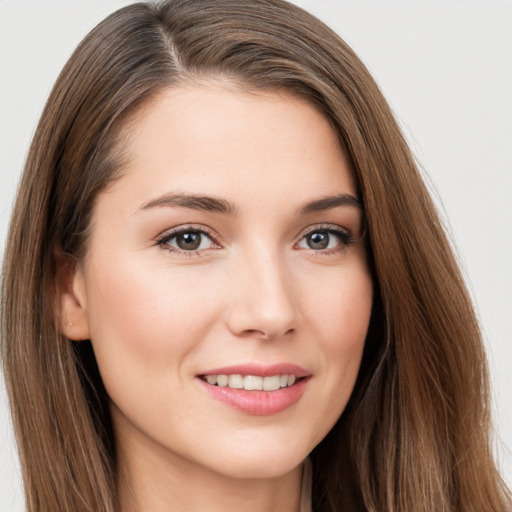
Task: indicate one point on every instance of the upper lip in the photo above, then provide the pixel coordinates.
(259, 370)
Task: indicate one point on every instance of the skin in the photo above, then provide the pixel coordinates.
(255, 291)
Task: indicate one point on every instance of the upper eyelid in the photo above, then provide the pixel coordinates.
(325, 227)
(162, 241)
(357, 235)
(172, 232)
(168, 234)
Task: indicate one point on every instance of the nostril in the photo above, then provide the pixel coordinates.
(266, 334)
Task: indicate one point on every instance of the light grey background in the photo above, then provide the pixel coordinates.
(444, 65)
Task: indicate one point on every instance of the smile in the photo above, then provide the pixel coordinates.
(251, 382)
(254, 389)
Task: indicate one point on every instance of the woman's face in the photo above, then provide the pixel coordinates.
(228, 254)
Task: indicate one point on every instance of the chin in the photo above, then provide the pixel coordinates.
(257, 462)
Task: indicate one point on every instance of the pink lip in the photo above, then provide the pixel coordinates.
(259, 403)
(260, 370)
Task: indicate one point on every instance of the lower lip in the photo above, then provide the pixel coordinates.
(258, 403)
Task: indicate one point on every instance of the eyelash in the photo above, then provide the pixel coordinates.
(344, 236)
(163, 240)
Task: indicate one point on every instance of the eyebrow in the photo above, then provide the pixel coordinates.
(217, 205)
(193, 202)
(327, 203)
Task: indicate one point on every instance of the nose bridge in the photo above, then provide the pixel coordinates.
(264, 304)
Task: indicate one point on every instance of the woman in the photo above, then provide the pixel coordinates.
(229, 262)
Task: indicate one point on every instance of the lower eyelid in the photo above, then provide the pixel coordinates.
(169, 235)
(345, 236)
(203, 235)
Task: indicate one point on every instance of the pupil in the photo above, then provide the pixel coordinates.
(318, 240)
(189, 241)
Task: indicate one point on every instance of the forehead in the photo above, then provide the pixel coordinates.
(221, 141)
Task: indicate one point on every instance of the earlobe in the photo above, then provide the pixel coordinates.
(71, 299)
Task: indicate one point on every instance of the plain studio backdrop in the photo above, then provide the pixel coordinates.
(446, 68)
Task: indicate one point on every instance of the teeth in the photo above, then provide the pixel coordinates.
(251, 382)
(211, 379)
(271, 383)
(222, 380)
(236, 382)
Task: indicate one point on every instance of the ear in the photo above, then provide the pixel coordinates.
(70, 299)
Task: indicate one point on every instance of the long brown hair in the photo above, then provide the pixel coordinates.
(415, 434)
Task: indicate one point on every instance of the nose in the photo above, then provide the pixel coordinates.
(264, 302)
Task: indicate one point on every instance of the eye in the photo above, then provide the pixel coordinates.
(187, 240)
(324, 239)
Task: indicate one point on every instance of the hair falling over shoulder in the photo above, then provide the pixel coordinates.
(416, 433)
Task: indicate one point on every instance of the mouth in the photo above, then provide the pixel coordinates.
(257, 390)
(252, 382)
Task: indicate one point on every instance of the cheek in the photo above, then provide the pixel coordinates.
(340, 308)
(143, 320)
(340, 316)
